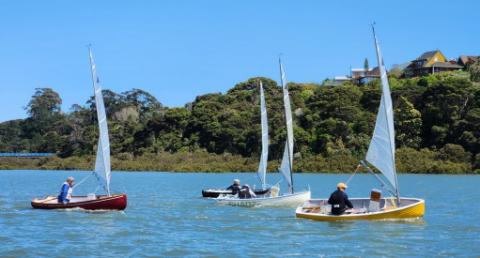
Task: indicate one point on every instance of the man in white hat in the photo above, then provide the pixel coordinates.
(339, 200)
(235, 187)
(66, 190)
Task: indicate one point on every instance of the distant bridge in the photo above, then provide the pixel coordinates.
(25, 155)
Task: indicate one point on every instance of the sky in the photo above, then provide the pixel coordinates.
(177, 50)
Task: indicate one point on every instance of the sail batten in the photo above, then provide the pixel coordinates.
(102, 162)
(287, 160)
(381, 151)
(262, 167)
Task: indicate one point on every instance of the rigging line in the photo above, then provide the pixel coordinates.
(382, 183)
(278, 182)
(354, 173)
(83, 180)
(96, 189)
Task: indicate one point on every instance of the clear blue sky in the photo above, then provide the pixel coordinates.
(177, 50)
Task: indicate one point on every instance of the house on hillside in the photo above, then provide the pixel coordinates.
(363, 76)
(466, 61)
(359, 72)
(430, 62)
(358, 76)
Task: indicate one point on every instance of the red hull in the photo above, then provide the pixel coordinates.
(102, 202)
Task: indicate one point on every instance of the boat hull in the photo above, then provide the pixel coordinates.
(215, 193)
(288, 200)
(412, 208)
(101, 202)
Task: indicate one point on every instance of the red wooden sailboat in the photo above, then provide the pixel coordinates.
(102, 167)
(91, 202)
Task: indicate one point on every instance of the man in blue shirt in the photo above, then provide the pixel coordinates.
(66, 191)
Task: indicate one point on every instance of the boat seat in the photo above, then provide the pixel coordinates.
(91, 196)
(374, 203)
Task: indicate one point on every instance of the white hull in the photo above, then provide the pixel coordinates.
(286, 200)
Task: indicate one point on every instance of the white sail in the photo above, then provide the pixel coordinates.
(287, 159)
(381, 152)
(262, 167)
(102, 163)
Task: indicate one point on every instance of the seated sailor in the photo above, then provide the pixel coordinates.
(246, 193)
(66, 191)
(235, 187)
(339, 200)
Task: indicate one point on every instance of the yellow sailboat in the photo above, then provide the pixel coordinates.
(381, 154)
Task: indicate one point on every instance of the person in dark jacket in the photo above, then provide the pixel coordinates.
(246, 193)
(66, 191)
(339, 200)
(235, 187)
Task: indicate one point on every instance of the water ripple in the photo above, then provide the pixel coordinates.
(166, 218)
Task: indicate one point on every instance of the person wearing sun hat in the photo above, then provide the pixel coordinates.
(339, 200)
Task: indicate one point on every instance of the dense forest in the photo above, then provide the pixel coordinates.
(437, 122)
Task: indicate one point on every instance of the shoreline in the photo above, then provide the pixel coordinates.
(232, 172)
(408, 162)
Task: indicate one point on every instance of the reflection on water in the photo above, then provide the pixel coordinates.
(166, 217)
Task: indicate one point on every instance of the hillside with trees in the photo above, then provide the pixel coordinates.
(437, 120)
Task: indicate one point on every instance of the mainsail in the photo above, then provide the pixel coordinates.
(262, 167)
(287, 160)
(381, 152)
(102, 163)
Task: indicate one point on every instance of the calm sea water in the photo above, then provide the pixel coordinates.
(167, 217)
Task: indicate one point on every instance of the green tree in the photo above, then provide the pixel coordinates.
(444, 103)
(474, 70)
(44, 103)
(455, 153)
(44, 117)
(408, 124)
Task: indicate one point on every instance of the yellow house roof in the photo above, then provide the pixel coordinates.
(432, 57)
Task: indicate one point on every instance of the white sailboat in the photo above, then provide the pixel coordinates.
(273, 199)
(381, 154)
(102, 166)
(262, 167)
(286, 166)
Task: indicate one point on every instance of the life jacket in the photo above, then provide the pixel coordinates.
(65, 194)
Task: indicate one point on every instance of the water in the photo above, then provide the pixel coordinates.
(166, 217)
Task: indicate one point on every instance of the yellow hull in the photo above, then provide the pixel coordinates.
(414, 210)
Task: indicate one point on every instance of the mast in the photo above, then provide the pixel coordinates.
(287, 159)
(102, 162)
(384, 134)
